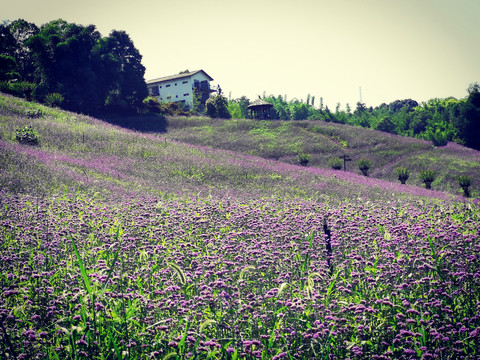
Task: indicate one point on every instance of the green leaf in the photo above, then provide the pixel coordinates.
(86, 280)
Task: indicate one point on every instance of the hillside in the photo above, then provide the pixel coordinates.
(117, 244)
(78, 152)
(283, 140)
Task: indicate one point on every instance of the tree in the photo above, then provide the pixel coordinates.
(386, 125)
(21, 31)
(92, 73)
(128, 80)
(62, 55)
(217, 106)
(470, 126)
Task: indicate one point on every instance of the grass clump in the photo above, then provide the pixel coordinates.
(335, 163)
(465, 181)
(428, 176)
(27, 135)
(304, 159)
(403, 174)
(364, 165)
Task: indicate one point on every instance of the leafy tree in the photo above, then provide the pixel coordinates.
(217, 106)
(335, 163)
(62, 54)
(403, 174)
(428, 176)
(21, 31)
(465, 181)
(364, 165)
(8, 68)
(127, 83)
(91, 73)
(386, 125)
(469, 128)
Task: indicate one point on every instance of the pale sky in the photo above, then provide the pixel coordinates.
(392, 49)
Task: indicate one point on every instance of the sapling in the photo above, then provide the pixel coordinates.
(304, 159)
(428, 176)
(465, 181)
(364, 165)
(335, 163)
(403, 174)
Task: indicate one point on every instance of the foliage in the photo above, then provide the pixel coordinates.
(364, 165)
(217, 107)
(403, 174)
(335, 163)
(304, 159)
(428, 176)
(27, 135)
(464, 180)
(386, 125)
(20, 89)
(92, 73)
(54, 99)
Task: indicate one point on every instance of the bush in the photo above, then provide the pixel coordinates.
(27, 135)
(304, 159)
(54, 99)
(403, 174)
(364, 165)
(335, 163)
(20, 89)
(217, 107)
(428, 176)
(465, 181)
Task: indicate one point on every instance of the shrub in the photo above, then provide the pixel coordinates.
(304, 159)
(217, 107)
(428, 176)
(403, 174)
(20, 89)
(364, 165)
(335, 163)
(465, 181)
(54, 99)
(27, 135)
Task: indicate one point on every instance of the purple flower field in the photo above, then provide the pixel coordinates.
(191, 279)
(121, 245)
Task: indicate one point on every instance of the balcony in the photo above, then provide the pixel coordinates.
(203, 86)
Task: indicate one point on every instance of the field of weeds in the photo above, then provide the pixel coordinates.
(283, 140)
(116, 244)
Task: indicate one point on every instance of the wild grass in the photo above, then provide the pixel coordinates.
(116, 244)
(283, 140)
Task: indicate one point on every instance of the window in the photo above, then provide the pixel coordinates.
(160, 86)
(154, 91)
(176, 96)
(168, 85)
(169, 97)
(185, 94)
(185, 82)
(175, 84)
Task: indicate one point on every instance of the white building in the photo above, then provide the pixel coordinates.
(181, 87)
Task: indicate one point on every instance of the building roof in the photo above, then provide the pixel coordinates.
(259, 102)
(179, 76)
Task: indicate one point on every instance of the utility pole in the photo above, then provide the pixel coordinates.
(361, 102)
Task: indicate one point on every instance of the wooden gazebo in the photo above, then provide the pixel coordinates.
(259, 109)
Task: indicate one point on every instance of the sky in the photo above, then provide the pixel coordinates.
(343, 51)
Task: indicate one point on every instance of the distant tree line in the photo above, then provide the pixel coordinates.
(438, 120)
(71, 66)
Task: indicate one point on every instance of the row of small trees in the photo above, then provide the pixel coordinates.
(403, 173)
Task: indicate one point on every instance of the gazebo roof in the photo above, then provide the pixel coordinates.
(259, 103)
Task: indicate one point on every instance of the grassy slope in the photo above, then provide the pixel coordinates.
(282, 140)
(170, 257)
(80, 153)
